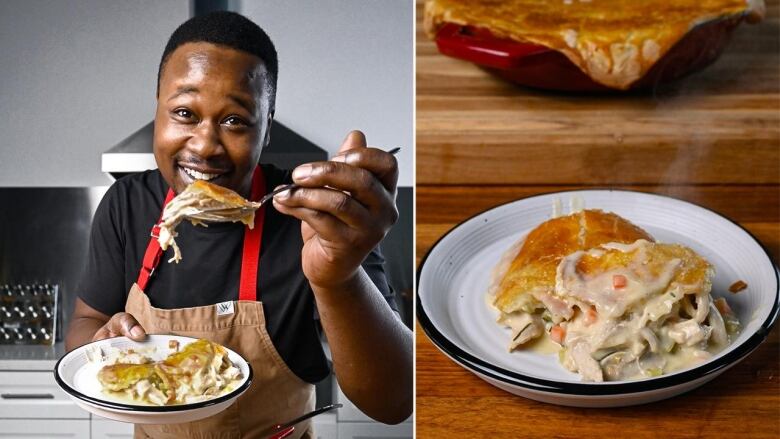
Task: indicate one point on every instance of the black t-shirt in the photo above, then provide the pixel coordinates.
(211, 265)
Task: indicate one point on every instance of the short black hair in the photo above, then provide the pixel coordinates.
(228, 29)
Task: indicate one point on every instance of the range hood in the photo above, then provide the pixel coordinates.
(287, 149)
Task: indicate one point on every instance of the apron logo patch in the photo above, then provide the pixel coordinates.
(224, 308)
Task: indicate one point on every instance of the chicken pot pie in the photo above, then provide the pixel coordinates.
(198, 372)
(614, 42)
(620, 305)
(203, 201)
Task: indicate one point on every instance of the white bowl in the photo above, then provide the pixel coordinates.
(453, 279)
(77, 376)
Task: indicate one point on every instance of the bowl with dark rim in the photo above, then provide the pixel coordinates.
(453, 310)
(76, 374)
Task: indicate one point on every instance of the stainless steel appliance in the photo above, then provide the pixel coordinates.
(44, 234)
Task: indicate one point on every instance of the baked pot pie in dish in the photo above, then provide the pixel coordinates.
(460, 297)
(596, 45)
(620, 305)
(164, 379)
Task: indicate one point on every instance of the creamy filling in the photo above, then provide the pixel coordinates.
(204, 373)
(626, 322)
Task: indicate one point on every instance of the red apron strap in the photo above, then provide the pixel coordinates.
(247, 287)
(153, 250)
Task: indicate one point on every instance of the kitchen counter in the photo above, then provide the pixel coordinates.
(712, 138)
(30, 358)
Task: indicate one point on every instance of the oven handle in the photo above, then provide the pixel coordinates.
(26, 396)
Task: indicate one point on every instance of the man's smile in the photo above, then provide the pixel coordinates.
(190, 173)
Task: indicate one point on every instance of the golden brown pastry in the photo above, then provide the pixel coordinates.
(615, 42)
(531, 275)
(203, 201)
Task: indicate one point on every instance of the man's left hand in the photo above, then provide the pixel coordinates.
(346, 206)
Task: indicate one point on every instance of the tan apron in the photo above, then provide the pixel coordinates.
(276, 394)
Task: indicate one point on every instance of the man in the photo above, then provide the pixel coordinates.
(316, 245)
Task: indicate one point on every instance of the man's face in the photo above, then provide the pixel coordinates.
(213, 117)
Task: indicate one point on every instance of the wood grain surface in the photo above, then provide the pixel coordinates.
(712, 138)
(716, 126)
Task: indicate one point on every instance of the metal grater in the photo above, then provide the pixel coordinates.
(28, 314)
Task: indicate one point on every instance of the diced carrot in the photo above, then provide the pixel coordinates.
(557, 334)
(619, 281)
(723, 306)
(591, 316)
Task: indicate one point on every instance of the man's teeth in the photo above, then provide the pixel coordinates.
(199, 175)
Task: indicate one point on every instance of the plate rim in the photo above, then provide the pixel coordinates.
(517, 379)
(144, 409)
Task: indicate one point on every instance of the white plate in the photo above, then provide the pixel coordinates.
(453, 278)
(77, 376)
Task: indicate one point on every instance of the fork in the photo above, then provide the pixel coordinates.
(292, 186)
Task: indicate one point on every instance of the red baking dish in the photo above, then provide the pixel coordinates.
(540, 67)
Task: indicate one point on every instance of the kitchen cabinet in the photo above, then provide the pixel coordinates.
(35, 395)
(107, 429)
(32, 406)
(354, 424)
(51, 429)
(368, 430)
(326, 426)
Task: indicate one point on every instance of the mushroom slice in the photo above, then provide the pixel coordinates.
(603, 353)
(719, 334)
(525, 327)
(702, 307)
(652, 340)
(618, 365)
(651, 364)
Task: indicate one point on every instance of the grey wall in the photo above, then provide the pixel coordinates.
(343, 65)
(76, 77)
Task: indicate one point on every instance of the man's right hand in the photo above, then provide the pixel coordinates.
(119, 324)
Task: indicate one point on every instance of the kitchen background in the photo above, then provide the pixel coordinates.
(77, 86)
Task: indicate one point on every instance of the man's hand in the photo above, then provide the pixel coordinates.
(88, 324)
(346, 206)
(119, 324)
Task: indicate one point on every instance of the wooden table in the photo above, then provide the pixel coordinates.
(712, 138)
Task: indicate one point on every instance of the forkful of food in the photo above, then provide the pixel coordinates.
(203, 202)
